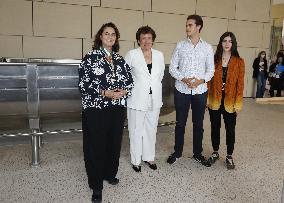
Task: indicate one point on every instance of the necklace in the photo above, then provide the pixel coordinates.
(225, 60)
(108, 57)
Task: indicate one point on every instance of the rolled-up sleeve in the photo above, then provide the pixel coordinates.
(209, 65)
(173, 69)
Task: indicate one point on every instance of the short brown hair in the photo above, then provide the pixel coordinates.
(145, 30)
(198, 20)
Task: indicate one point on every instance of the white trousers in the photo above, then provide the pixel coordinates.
(142, 127)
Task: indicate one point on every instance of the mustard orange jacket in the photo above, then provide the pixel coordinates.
(234, 87)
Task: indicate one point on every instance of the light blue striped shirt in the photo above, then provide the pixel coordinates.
(189, 61)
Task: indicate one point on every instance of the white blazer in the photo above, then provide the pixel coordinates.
(143, 80)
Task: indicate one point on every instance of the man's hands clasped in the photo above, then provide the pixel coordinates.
(192, 82)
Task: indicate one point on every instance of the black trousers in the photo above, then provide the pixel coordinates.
(230, 124)
(182, 106)
(102, 135)
(276, 84)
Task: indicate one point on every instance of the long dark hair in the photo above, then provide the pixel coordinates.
(98, 41)
(219, 50)
(259, 55)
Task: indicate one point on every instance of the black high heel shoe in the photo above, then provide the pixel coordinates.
(136, 168)
(151, 166)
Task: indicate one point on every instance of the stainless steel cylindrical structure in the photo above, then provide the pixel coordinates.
(42, 95)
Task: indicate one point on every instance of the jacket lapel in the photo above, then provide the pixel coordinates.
(143, 62)
(231, 66)
(154, 63)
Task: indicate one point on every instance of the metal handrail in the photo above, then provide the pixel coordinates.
(4, 135)
(59, 131)
(40, 60)
(36, 136)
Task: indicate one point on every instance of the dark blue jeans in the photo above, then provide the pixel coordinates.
(182, 105)
(260, 80)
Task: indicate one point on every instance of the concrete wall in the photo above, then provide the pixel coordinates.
(64, 28)
(277, 15)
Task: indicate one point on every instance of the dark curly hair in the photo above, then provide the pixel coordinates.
(98, 41)
(145, 30)
(219, 50)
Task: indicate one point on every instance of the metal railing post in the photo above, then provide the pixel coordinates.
(282, 199)
(33, 108)
(35, 150)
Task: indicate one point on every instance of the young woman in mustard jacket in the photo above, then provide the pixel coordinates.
(225, 95)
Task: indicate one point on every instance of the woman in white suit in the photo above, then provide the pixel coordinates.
(143, 107)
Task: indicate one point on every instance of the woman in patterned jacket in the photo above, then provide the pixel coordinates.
(105, 82)
(225, 95)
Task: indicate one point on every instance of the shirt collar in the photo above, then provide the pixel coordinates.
(200, 40)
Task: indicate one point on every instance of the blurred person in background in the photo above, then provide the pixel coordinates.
(260, 73)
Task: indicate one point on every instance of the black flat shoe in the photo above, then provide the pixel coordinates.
(136, 168)
(113, 181)
(97, 197)
(151, 166)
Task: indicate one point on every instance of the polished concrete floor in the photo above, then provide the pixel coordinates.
(258, 177)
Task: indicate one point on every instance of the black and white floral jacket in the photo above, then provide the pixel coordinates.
(95, 75)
